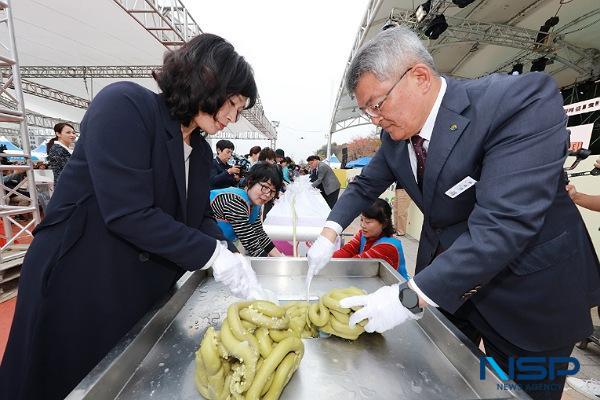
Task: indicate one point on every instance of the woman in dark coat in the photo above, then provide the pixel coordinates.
(60, 148)
(126, 220)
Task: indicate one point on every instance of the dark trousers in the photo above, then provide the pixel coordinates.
(470, 321)
(331, 198)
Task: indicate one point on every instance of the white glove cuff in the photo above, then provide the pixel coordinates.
(215, 254)
(419, 292)
(335, 226)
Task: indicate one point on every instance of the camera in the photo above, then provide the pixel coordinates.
(242, 163)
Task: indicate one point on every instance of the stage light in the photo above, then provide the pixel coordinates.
(423, 10)
(436, 27)
(517, 69)
(545, 29)
(462, 3)
(539, 64)
(389, 24)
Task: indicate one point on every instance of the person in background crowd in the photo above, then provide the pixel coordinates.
(122, 225)
(294, 169)
(375, 238)
(253, 155)
(591, 202)
(503, 251)
(279, 155)
(237, 210)
(285, 171)
(60, 148)
(588, 387)
(222, 174)
(266, 155)
(327, 178)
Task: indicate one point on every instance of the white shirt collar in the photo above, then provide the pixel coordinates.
(61, 144)
(427, 129)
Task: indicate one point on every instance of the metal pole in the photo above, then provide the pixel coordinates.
(21, 107)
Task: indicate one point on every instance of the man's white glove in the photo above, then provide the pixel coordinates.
(382, 308)
(319, 255)
(234, 271)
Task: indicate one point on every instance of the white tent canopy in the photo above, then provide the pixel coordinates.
(486, 52)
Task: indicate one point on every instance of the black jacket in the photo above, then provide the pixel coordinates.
(219, 177)
(118, 233)
(515, 243)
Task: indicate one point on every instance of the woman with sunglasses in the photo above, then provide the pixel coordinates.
(237, 210)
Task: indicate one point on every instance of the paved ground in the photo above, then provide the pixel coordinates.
(589, 358)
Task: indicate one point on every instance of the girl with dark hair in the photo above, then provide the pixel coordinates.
(237, 210)
(253, 154)
(60, 148)
(375, 238)
(126, 221)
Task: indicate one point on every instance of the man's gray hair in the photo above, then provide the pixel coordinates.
(388, 55)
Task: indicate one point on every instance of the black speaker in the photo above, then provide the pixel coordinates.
(436, 27)
(344, 157)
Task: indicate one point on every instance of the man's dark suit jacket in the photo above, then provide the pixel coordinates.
(515, 244)
(118, 233)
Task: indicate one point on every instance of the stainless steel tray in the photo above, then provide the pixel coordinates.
(424, 359)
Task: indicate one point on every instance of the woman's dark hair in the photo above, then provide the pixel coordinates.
(381, 211)
(266, 154)
(254, 150)
(225, 144)
(201, 75)
(263, 173)
(57, 129)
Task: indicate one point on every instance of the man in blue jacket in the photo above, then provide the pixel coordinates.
(503, 252)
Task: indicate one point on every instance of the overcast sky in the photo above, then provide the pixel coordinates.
(298, 51)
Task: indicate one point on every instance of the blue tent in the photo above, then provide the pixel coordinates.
(361, 162)
(11, 148)
(334, 160)
(41, 148)
(9, 145)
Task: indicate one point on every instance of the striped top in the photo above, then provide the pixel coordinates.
(233, 209)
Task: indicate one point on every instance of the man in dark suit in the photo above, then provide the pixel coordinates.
(223, 175)
(482, 159)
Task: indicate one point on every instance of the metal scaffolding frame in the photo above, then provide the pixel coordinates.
(49, 93)
(460, 30)
(586, 62)
(256, 115)
(87, 71)
(368, 18)
(9, 213)
(169, 22)
(172, 25)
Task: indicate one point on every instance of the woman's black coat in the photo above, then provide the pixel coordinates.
(118, 232)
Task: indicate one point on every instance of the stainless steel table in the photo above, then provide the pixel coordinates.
(424, 359)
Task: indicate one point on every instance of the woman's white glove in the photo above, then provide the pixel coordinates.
(382, 308)
(234, 271)
(319, 255)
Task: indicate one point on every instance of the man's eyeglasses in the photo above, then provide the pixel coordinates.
(265, 189)
(374, 110)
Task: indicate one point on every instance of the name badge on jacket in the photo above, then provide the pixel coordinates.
(460, 187)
